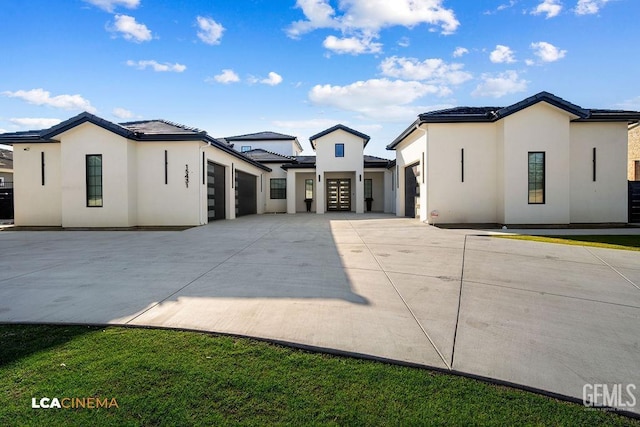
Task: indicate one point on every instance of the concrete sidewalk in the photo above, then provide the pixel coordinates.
(547, 316)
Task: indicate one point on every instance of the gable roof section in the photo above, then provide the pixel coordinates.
(366, 138)
(266, 156)
(301, 162)
(145, 130)
(493, 114)
(264, 136)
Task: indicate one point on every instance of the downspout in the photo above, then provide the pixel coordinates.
(202, 172)
(425, 171)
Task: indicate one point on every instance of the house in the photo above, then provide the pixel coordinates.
(6, 184)
(89, 172)
(287, 145)
(543, 160)
(633, 169)
(339, 178)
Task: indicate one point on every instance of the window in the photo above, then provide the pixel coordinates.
(245, 148)
(536, 177)
(1, 181)
(42, 167)
(94, 180)
(278, 188)
(308, 189)
(368, 189)
(339, 150)
(636, 167)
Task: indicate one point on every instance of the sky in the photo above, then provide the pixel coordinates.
(234, 67)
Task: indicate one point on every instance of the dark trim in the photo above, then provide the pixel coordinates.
(277, 190)
(594, 164)
(462, 165)
(87, 156)
(166, 167)
(365, 137)
(341, 145)
(204, 168)
(42, 166)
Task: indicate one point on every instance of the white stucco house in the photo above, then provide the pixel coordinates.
(89, 172)
(543, 160)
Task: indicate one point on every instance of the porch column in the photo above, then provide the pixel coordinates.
(320, 192)
(291, 191)
(360, 190)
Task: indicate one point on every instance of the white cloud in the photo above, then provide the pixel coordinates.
(225, 77)
(43, 97)
(589, 7)
(122, 113)
(306, 124)
(35, 123)
(404, 42)
(433, 70)
(365, 18)
(547, 52)
(352, 45)
(274, 79)
(210, 31)
(500, 85)
(110, 5)
(502, 54)
(630, 104)
(156, 66)
(460, 51)
(501, 7)
(381, 99)
(549, 7)
(130, 29)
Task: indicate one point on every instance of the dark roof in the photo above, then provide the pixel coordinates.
(260, 136)
(146, 130)
(366, 138)
(265, 156)
(6, 159)
(300, 162)
(492, 114)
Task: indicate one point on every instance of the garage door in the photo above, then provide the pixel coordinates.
(246, 202)
(215, 191)
(412, 191)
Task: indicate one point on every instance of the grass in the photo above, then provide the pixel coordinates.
(628, 242)
(162, 377)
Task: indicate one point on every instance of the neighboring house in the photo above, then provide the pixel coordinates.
(89, 172)
(540, 161)
(633, 170)
(6, 184)
(269, 141)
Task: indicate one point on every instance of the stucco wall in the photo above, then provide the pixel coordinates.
(286, 148)
(408, 152)
(605, 199)
(75, 144)
(633, 152)
(36, 204)
(301, 206)
(378, 189)
(326, 161)
(274, 205)
(540, 127)
(475, 199)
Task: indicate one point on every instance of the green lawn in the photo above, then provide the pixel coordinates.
(628, 242)
(162, 377)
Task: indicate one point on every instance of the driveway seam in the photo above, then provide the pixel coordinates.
(201, 275)
(613, 268)
(415, 318)
(455, 331)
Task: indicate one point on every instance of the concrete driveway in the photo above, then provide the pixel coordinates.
(546, 316)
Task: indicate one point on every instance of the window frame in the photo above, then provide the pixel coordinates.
(370, 182)
(307, 183)
(339, 153)
(280, 193)
(89, 195)
(537, 184)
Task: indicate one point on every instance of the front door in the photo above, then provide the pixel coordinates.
(339, 194)
(412, 191)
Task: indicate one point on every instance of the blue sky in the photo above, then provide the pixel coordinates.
(298, 67)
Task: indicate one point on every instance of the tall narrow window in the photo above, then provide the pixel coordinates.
(42, 166)
(339, 150)
(278, 187)
(368, 189)
(536, 177)
(308, 189)
(594, 164)
(166, 167)
(94, 180)
(462, 164)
